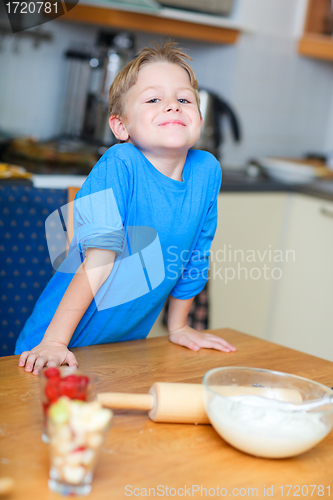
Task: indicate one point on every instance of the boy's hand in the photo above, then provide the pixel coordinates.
(47, 353)
(194, 340)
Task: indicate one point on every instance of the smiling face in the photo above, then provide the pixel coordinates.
(161, 111)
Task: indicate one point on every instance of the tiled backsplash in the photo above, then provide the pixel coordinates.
(283, 101)
(33, 80)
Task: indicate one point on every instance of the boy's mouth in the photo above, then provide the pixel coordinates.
(172, 122)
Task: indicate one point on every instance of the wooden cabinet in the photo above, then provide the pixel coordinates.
(194, 26)
(271, 270)
(292, 304)
(244, 264)
(302, 317)
(317, 39)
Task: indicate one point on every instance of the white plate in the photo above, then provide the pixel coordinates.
(287, 171)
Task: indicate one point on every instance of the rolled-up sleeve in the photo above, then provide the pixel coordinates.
(100, 208)
(95, 236)
(195, 274)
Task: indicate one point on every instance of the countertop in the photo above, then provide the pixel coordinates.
(239, 181)
(320, 189)
(62, 176)
(142, 454)
(232, 181)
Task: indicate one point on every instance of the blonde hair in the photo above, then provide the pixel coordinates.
(168, 52)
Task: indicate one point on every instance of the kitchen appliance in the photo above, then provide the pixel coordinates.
(91, 73)
(219, 7)
(215, 111)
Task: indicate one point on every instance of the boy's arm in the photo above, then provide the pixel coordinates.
(182, 334)
(52, 351)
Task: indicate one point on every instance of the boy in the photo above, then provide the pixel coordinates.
(144, 221)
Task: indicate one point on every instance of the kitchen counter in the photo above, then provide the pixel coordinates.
(143, 454)
(319, 189)
(232, 181)
(239, 181)
(61, 176)
(57, 181)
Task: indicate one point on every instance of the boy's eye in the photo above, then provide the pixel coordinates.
(183, 101)
(153, 101)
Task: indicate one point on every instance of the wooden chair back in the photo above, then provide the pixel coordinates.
(71, 192)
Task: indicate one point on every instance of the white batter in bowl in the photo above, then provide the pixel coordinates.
(247, 407)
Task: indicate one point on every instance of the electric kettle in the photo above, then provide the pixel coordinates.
(214, 110)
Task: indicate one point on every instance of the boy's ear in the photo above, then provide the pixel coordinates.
(118, 128)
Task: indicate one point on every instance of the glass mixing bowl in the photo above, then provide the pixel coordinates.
(249, 409)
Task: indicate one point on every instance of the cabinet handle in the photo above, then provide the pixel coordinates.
(325, 211)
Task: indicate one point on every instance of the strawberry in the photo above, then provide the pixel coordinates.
(51, 392)
(73, 386)
(80, 448)
(74, 379)
(45, 408)
(68, 389)
(52, 372)
(55, 381)
(84, 381)
(82, 396)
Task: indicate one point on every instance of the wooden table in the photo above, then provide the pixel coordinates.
(143, 454)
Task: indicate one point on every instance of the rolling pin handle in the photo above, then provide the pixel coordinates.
(126, 401)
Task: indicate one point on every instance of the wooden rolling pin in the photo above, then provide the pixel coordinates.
(184, 403)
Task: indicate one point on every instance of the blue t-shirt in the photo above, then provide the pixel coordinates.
(161, 230)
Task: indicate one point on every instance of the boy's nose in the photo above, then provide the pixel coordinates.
(173, 106)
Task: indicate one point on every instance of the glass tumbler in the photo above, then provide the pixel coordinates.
(77, 431)
(64, 381)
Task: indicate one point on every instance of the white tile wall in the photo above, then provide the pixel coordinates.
(284, 101)
(33, 80)
(329, 133)
(271, 17)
